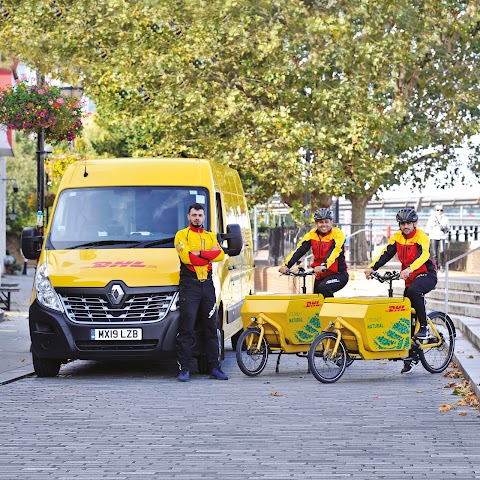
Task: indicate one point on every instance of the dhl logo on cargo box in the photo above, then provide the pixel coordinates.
(396, 308)
(313, 303)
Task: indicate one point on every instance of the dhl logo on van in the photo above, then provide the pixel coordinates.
(120, 264)
(396, 308)
(313, 303)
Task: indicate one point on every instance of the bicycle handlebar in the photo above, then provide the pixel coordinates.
(386, 277)
(301, 272)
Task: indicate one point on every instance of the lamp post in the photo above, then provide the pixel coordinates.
(40, 179)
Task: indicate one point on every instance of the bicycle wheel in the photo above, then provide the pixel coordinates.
(436, 359)
(251, 357)
(325, 367)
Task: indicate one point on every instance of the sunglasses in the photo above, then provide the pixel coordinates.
(439, 210)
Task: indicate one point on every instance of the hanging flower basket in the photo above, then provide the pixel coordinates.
(32, 107)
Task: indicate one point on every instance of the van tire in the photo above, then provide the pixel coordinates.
(221, 334)
(221, 344)
(46, 367)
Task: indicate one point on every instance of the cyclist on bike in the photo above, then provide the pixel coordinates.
(412, 248)
(328, 247)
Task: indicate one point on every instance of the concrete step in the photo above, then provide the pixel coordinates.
(455, 296)
(470, 328)
(454, 308)
(466, 285)
(466, 357)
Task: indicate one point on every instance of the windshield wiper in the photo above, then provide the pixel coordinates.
(100, 243)
(153, 243)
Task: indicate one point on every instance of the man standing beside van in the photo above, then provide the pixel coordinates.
(328, 247)
(197, 249)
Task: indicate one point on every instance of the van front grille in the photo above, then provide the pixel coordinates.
(137, 308)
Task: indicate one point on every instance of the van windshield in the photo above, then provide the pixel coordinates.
(123, 217)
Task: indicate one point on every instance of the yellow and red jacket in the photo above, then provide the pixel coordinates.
(328, 250)
(412, 251)
(193, 239)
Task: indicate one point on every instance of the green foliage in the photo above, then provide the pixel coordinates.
(372, 91)
(23, 168)
(30, 108)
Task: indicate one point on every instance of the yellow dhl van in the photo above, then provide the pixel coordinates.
(106, 285)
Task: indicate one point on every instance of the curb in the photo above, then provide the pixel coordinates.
(467, 357)
(14, 375)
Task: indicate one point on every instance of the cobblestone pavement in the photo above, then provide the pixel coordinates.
(98, 421)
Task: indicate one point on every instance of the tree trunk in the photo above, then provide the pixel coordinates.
(359, 246)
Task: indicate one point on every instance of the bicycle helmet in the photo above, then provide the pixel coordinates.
(406, 215)
(323, 214)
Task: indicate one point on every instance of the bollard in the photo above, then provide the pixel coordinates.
(24, 272)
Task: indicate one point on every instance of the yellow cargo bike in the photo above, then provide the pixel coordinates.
(374, 328)
(277, 324)
(337, 331)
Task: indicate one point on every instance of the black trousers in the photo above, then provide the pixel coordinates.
(329, 285)
(422, 284)
(197, 304)
(437, 252)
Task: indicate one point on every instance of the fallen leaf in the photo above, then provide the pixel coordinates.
(470, 356)
(463, 414)
(276, 394)
(453, 374)
(446, 407)
(450, 385)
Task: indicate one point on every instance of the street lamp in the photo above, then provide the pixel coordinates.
(71, 91)
(13, 215)
(14, 186)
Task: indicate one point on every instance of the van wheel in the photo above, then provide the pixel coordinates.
(46, 367)
(221, 344)
(221, 334)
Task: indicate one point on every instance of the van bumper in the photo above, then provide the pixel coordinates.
(53, 335)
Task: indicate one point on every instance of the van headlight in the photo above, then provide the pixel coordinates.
(46, 294)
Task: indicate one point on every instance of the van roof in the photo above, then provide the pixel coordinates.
(141, 171)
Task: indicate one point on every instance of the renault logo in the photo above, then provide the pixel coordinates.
(116, 294)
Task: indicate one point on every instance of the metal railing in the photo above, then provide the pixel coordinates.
(447, 265)
(463, 233)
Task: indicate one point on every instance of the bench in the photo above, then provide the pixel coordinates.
(6, 292)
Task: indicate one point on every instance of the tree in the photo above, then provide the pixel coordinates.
(303, 97)
(23, 168)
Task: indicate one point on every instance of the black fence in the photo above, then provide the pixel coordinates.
(363, 240)
(463, 233)
(281, 241)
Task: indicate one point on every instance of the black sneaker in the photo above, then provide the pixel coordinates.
(409, 365)
(184, 375)
(217, 374)
(422, 333)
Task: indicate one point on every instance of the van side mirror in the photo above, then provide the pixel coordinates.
(31, 243)
(234, 240)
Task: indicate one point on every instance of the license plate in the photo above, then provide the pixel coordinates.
(116, 334)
